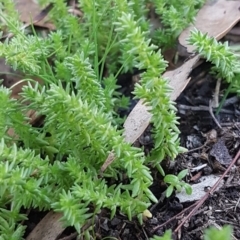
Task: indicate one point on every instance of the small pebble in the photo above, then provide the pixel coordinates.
(115, 221)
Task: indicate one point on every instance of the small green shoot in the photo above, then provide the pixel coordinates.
(167, 236)
(213, 233)
(177, 183)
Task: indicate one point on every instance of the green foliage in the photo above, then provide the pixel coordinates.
(177, 183)
(226, 62)
(209, 234)
(153, 89)
(9, 18)
(8, 227)
(216, 234)
(58, 166)
(167, 236)
(175, 16)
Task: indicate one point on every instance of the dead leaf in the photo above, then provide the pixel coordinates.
(198, 190)
(178, 78)
(30, 12)
(136, 122)
(220, 152)
(108, 161)
(49, 228)
(215, 18)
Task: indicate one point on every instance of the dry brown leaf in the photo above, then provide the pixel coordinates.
(215, 18)
(49, 228)
(178, 78)
(136, 122)
(108, 161)
(29, 10)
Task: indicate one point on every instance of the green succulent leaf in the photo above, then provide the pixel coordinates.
(182, 174)
(223, 234)
(187, 188)
(169, 191)
(172, 179)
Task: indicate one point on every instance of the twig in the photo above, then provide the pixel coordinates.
(211, 113)
(195, 149)
(145, 234)
(238, 201)
(202, 108)
(174, 217)
(163, 195)
(70, 237)
(211, 191)
(215, 102)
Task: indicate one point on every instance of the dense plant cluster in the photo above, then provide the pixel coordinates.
(225, 61)
(175, 17)
(58, 165)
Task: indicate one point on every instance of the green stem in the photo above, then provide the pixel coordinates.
(224, 98)
(95, 41)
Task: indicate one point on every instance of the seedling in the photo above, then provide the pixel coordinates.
(177, 183)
